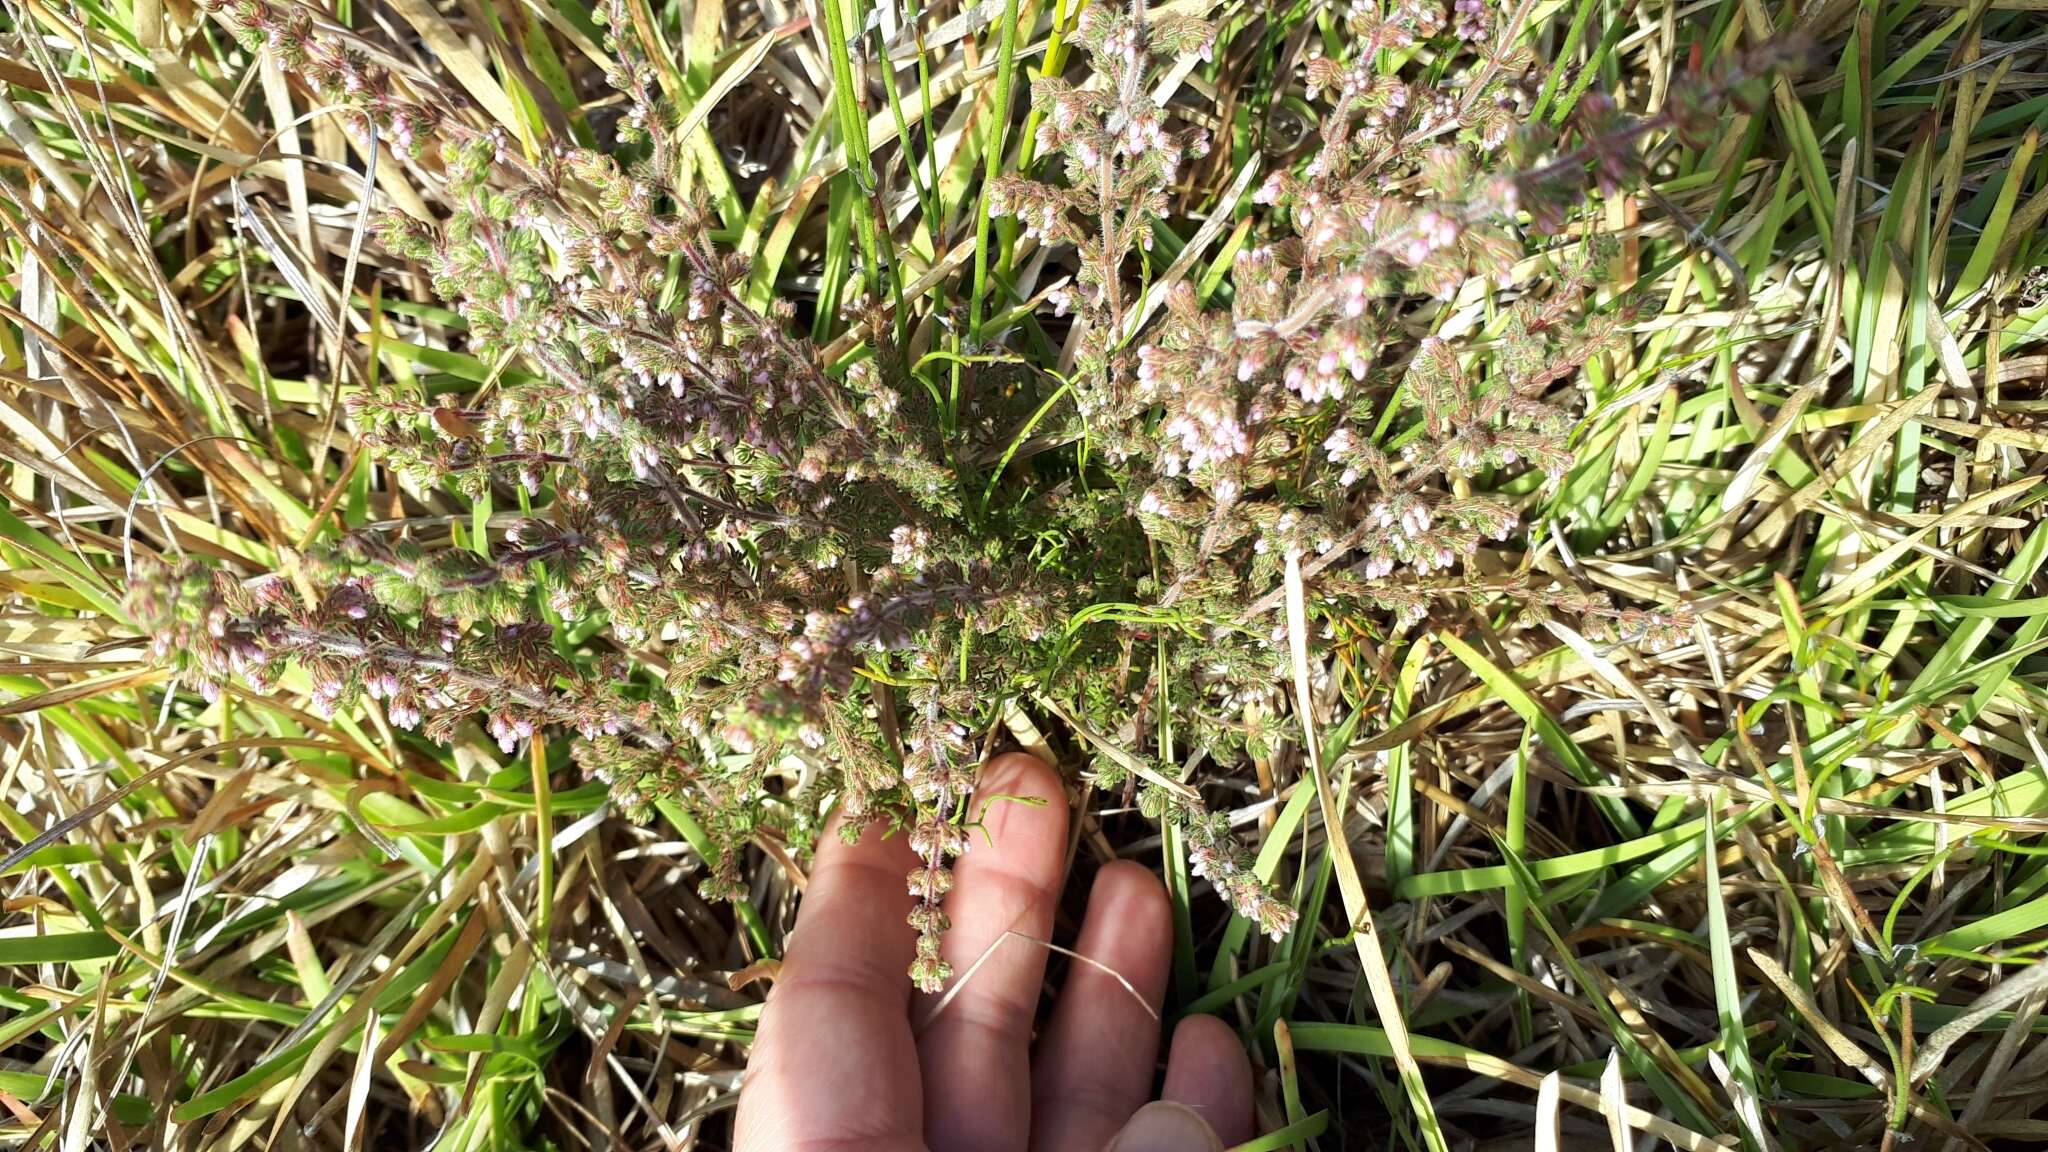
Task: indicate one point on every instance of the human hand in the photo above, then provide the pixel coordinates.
(846, 1058)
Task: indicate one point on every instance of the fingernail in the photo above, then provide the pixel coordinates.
(1163, 1126)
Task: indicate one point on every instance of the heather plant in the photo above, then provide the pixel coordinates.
(826, 584)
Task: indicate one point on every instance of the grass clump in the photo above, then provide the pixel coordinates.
(1582, 454)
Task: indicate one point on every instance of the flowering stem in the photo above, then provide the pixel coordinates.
(547, 703)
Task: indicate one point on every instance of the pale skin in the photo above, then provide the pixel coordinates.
(849, 1058)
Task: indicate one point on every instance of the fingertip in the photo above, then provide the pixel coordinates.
(1129, 894)
(1021, 806)
(1021, 774)
(1207, 1070)
(1133, 874)
(1164, 1126)
(870, 825)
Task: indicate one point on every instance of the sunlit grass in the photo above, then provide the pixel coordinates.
(1758, 879)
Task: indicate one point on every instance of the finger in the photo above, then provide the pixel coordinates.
(977, 1048)
(1164, 1126)
(834, 1064)
(1208, 1071)
(1096, 1060)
